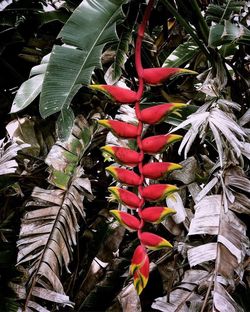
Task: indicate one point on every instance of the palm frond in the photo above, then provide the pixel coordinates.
(8, 151)
(224, 129)
(49, 227)
(228, 251)
(184, 297)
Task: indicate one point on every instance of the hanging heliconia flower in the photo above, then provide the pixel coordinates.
(158, 170)
(122, 155)
(156, 215)
(129, 222)
(158, 192)
(124, 176)
(153, 241)
(158, 143)
(156, 76)
(117, 94)
(124, 197)
(121, 129)
(127, 157)
(156, 114)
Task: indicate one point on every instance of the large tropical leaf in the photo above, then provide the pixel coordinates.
(90, 27)
(114, 72)
(48, 229)
(228, 251)
(224, 129)
(218, 12)
(8, 152)
(31, 88)
(228, 33)
(182, 54)
(183, 298)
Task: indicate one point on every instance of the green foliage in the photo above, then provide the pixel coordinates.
(182, 54)
(44, 186)
(228, 33)
(71, 65)
(31, 88)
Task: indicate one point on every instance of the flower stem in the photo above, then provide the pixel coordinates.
(139, 69)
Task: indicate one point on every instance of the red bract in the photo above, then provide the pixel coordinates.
(153, 241)
(131, 223)
(156, 114)
(124, 197)
(158, 170)
(158, 143)
(140, 268)
(158, 192)
(138, 259)
(122, 155)
(155, 215)
(117, 94)
(141, 277)
(124, 176)
(156, 76)
(121, 129)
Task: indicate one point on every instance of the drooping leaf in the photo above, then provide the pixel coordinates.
(217, 12)
(115, 71)
(65, 123)
(228, 33)
(230, 248)
(72, 65)
(8, 151)
(182, 54)
(49, 227)
(183, 298)
(220, 122)
(31, 88)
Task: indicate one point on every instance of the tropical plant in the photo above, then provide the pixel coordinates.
(73, 249)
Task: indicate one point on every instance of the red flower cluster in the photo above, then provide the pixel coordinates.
(130, 158)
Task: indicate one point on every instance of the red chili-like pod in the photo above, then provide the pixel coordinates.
(158, 170)
(117, 94)
(124, 197)
(124, 176)
(155, 215)
(131, 223)
(157, 76)
(153, 241)
(158, 143)
(121, 129)
(140, 268)
(122, 155)
(158, 192)
(156, 114)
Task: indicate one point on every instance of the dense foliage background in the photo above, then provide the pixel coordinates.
(59, 247)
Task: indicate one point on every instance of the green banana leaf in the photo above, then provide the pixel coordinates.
(89, 28)
(31, 88)
(228, 33)
(182, 54)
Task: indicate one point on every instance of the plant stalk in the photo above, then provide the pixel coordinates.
(188, 28)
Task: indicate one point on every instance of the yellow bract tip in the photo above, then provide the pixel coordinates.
(187, 71)
(111, 170)
(107, 148)
(166, 243)
(104, 122)
(175, 167)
